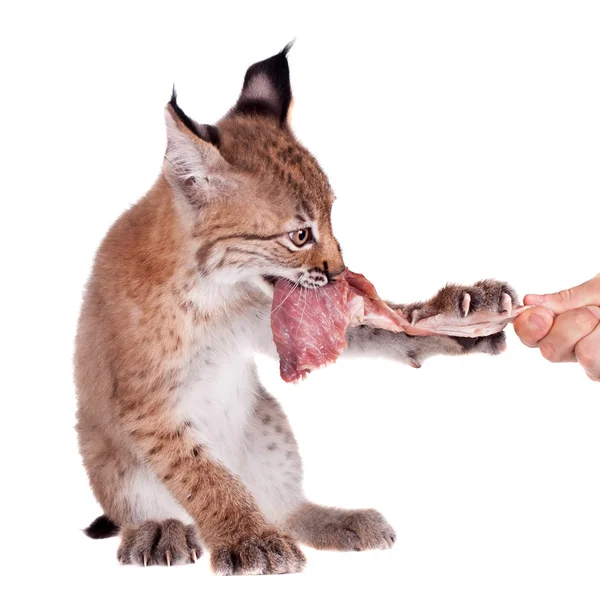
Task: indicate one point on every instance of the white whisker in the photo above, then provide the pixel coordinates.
(305, 294)
(288, 295)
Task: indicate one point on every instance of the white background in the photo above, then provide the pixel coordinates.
(463, 141)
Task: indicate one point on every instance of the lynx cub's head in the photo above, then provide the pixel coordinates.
(259, 204)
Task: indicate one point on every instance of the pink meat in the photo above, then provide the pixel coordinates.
(309, 325)
(374, 311)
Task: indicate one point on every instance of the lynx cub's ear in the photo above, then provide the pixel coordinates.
(193, 163)
(267, 91)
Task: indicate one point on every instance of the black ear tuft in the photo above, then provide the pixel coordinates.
(267, 90)
(208, 133)
(182, 116)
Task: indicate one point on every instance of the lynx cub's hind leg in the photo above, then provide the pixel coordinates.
(272, 468)
(327, 528)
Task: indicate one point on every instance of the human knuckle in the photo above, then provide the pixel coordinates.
(550, 352)
(584, 319)
(565, 296)
(587, 357)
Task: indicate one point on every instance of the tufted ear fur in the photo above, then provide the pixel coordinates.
(267, 90)
(193, 163)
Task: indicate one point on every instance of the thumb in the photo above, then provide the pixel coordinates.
(586, 294)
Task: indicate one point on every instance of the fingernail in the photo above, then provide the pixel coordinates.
(595, 310)
(535, 299)
(537, 322)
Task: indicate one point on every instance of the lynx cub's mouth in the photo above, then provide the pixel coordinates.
(303, 281)
(267, 283)
(270, 279)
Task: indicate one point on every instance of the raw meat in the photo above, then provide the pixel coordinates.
(309, 326)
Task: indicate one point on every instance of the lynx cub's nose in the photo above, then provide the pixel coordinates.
(336, 275)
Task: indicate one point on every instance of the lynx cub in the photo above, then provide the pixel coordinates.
(183, 446)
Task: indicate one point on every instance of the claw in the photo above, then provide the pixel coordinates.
(466, 304)
(145, 560)
(168, 557)
(506, 304)
(194, 555)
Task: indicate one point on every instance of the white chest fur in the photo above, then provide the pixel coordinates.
(218, 396)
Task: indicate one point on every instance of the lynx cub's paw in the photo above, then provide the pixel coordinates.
(270, 553)
(487, 296)
(159, 543)
(478, 312)
(357, 530)
(328, 528)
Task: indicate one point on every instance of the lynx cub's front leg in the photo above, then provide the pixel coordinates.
(159, 543)
(454, 305)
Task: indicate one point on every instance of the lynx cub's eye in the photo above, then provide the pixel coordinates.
(301, 236)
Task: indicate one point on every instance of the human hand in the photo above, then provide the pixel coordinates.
(565, 326)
